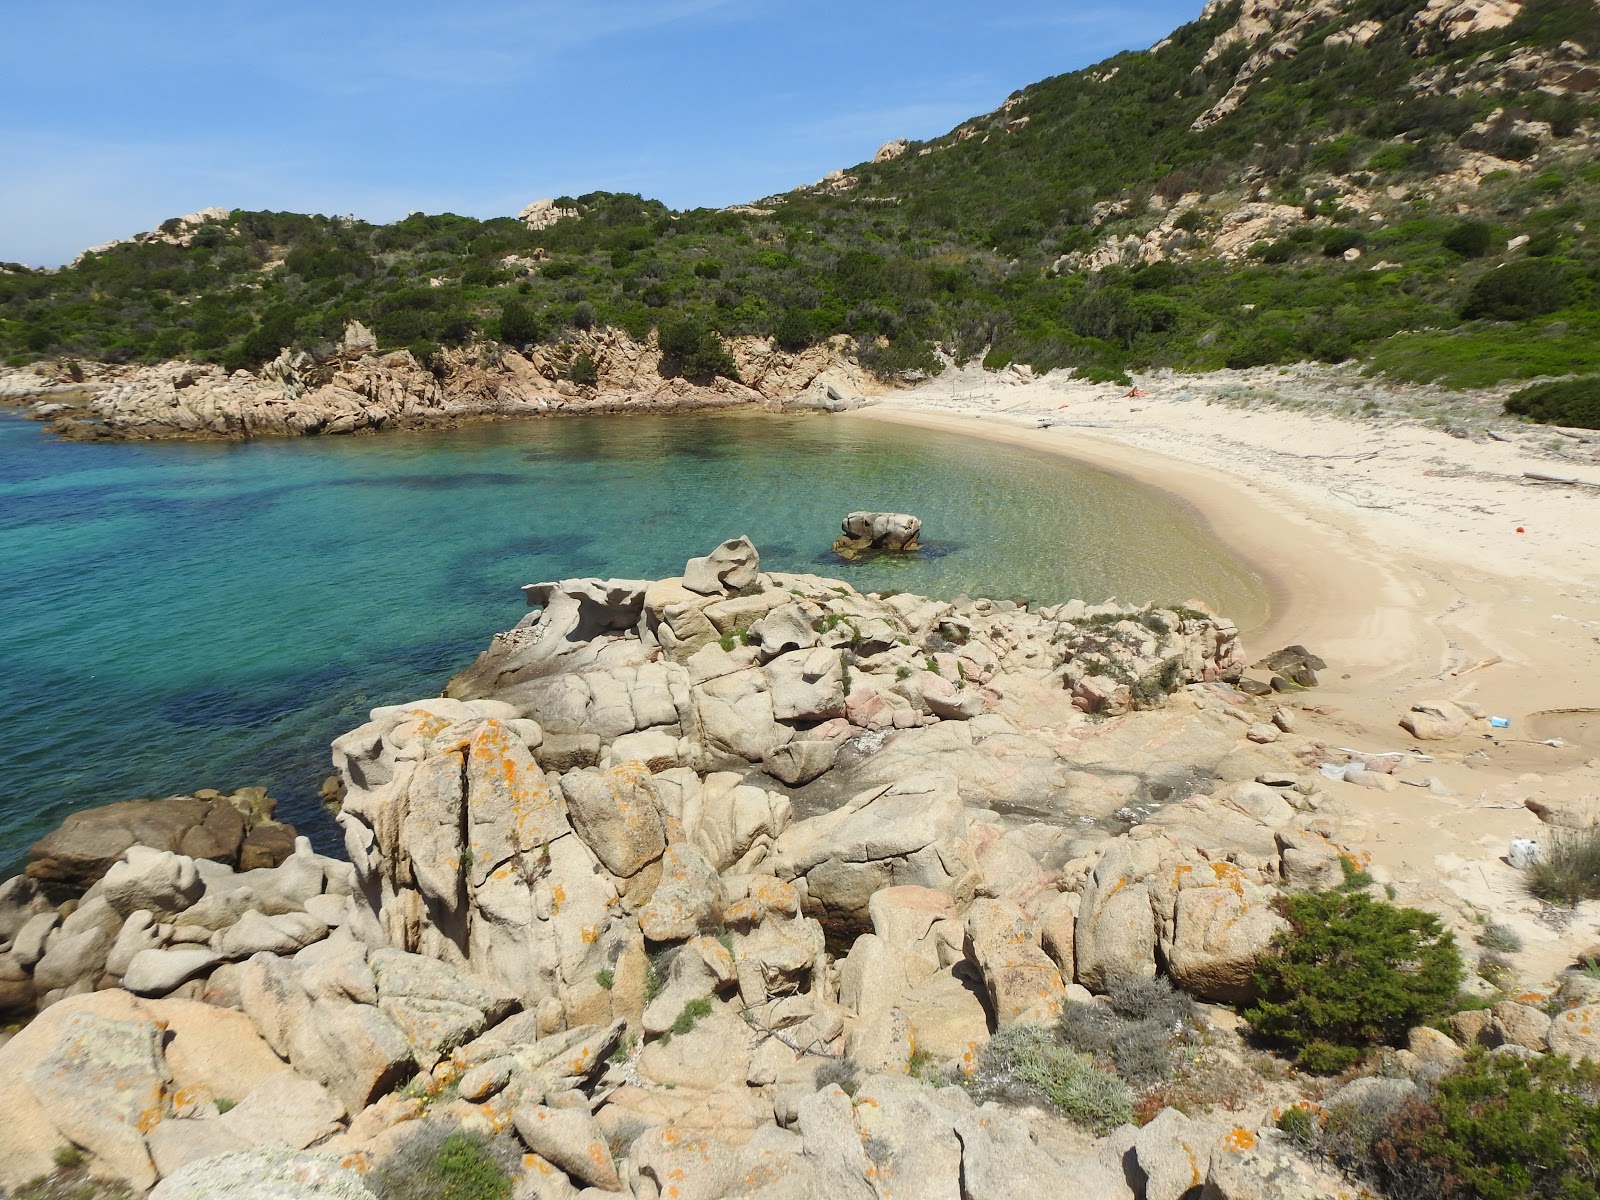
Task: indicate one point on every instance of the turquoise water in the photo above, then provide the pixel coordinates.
(176, 616)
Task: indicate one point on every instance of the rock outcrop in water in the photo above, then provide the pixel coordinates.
(354, 388)
(670, 865)
(863, 532)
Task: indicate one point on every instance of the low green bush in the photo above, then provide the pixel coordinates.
(1028, 1063)
(1469, 238)
(1574, 402)
(1351, 973)
(1499, 1128)
(1529, 287)
(583, 371)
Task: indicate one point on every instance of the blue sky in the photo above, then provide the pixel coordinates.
(117, 115)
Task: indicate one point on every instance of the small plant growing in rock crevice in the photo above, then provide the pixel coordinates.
(690, 1016)
(438, 1163)
(839, 1072)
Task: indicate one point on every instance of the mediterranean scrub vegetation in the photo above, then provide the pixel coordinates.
(991, 240)
(1498, 1127)
(1351, 973)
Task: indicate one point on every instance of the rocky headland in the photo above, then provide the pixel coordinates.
(353, 387)
(740, 883)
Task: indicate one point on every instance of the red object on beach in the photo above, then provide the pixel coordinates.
(1520, 529)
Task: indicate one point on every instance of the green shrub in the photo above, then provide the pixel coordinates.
(1350, 973)
(518, 325)
(1543, 244)
(1499, 1128)
(1568, 872)
(437, 1163)
(1339, 240)
(1574, 402)
(1529, 287)
(583, 372)
(1470, 239)
(695, 352)
(1025, 1063)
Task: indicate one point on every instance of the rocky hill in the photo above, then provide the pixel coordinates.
(1402, 182)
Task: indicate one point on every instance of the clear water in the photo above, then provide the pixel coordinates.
(176, 616)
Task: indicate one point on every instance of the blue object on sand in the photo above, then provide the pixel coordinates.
(1500, 722)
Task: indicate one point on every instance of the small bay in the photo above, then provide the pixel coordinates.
(186, 615)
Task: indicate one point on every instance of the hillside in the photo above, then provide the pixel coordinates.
(1413, 185)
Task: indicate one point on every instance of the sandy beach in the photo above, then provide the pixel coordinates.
(1421, 566)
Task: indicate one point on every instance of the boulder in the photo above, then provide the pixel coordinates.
(686, 900)
(158, 881)
(103, 1085)
(1023, 984)
(571, 1140)
(254, 933)
(356, 1050)
(729, 568)
(1436, 721)
(1223, 923)
(698, 971)
(286, 1110)
(864, 531)
(1434, 1048)
(264, 1173)
(911, 832)
(157, 972)
(1576, 1033)
(618, 816)
(83, 848)
(1513, 1024)
(797, 763)
(1115, 937)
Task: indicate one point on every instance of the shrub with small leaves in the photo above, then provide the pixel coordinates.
(1350, 973)
(1498, 1128)
(1029, 1063)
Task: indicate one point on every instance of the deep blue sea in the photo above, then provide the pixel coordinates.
(176, 616)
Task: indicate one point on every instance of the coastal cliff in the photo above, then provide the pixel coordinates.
(354, 387)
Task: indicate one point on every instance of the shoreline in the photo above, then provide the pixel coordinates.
(1421, 568)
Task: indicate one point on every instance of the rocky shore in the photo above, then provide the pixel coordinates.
(730, 884)
(355, 388)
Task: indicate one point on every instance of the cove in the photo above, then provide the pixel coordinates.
(186, 615)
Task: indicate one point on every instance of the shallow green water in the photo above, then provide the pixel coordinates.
(178, 616)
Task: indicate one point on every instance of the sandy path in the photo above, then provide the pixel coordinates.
(1393, 550)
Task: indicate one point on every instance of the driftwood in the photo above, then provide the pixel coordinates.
(1563, 480)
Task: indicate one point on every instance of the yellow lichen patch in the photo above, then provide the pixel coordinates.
(1239, 1139)
(590, 934)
